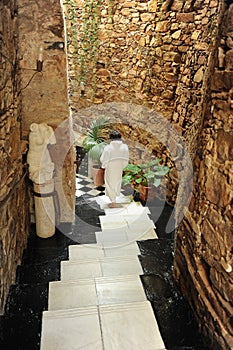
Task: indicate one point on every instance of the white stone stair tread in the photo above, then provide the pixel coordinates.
(103, 201)
(136, 219)
(116, 250)
(119, 289)
(96, 291)
(141, 224)
(130, 327)
(71, 329)
(80, 269)
(138, 235)
(102, 267)
(79, 252)
(129, 209)
(137, 209)
(85, 251)
(118, 235)
(124, 218)
(72, 294)
(124, 221)
(119, 210)
(113, 221)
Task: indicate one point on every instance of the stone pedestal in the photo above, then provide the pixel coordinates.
(44, 209)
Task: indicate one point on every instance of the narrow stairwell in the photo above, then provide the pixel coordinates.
(48, 260)
(100, 302)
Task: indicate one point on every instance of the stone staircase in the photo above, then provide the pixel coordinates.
(100, 302)
(55, 259)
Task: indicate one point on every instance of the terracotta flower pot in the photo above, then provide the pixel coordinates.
(98, 176)
(147, 194)
(143, 194)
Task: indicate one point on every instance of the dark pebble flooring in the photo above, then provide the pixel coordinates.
(20, 326)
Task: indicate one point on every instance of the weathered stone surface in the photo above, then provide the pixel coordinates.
(206, 235)
(222, 80)
(14, 223)
(198, 77)
(185, 17)
(229, 59)
(224, 146)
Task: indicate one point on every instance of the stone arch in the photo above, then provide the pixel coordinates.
(134, 116)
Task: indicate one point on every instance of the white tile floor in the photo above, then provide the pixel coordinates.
(100, 303)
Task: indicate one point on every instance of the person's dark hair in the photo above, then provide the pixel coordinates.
(115, 135)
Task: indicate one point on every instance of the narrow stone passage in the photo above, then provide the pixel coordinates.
(20, 326)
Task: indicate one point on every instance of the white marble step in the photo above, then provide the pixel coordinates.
(95, 291)
(102, 267)
(115, 237)
(112, 237)
(72, 294)
(103, 201)
(129, 326)
(129, 209)
(123, 221)
(71, 329)
(92, 251)
(137, 234)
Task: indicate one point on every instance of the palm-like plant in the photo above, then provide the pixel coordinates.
(95, 141)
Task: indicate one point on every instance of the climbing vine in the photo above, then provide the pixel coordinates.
(89, 41)
(72, 28)
(83, 39)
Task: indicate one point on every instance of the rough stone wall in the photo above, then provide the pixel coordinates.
(151, 52)
(158, 54)
(204, 242)
(14, 223)
(162, 54)
(44, 91)
(29, 94)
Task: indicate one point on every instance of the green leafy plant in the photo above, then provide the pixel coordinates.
(149, 174)
(95, 139)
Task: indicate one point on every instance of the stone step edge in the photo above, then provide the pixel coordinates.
(102, 250)
(94, 280)
(82, 311)
(104, 259)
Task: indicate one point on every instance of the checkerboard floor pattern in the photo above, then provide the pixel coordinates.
(85, 185)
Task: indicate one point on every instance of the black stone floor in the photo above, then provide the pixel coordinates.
(20, 326)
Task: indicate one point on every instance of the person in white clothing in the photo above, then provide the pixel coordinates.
(114, 158)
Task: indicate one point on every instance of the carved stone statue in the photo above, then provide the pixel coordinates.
(41, 166)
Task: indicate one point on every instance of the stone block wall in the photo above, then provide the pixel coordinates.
(153, 53)
(175, 57)
(14, 223)
(44, 93)
(28, 95)
(204, 242)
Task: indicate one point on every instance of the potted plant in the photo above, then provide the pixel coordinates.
(93, 144)
(142, 177)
